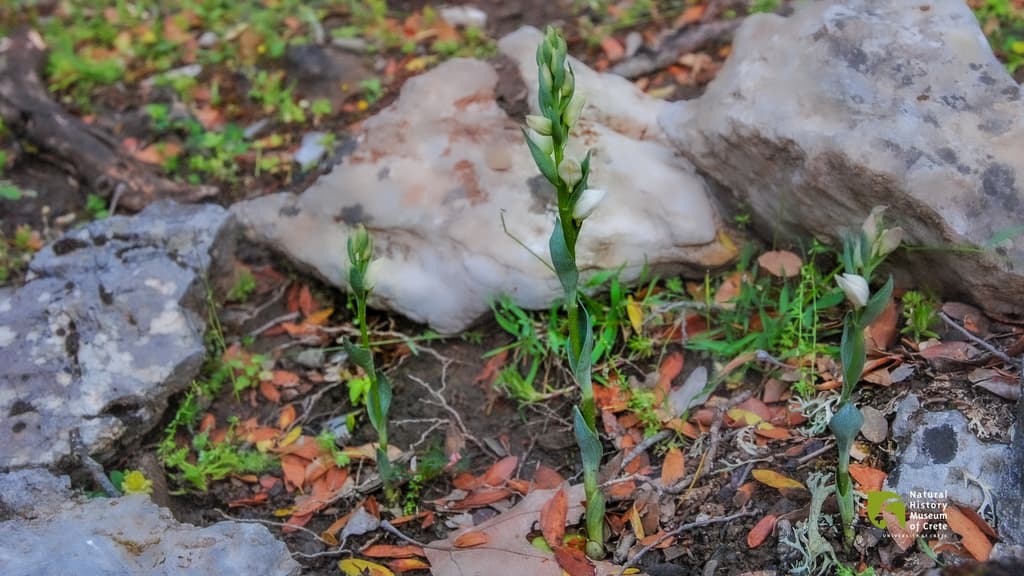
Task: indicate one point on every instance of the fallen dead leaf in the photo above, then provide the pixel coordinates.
(780, 263)
(673, 468)
(508, 546)
(882, 333)
(500, 471)
(903, 537)
(870, 479)
(546, 478)
(552, 518)
(357, 567)
(613, 49)
(471, 539)
(776, 480)
(973, 537)
(761, 531)
(574, 561)
(403, 565)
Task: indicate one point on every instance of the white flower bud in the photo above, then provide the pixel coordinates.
(856, 289)
(889, 241)
(545, 143)
(573, 110)
(372, 275)
(570, 172)
(586, 204)
(871, 223)
(539, 124)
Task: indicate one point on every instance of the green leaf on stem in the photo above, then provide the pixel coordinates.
(879, 300)
(586, 438)
(378, 403)
(845, 424)
(565, 265)
(359, 356)
(545, 163)
(852, 354)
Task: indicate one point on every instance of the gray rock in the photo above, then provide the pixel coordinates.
(942, 455)
(123, 537)
(846, 105)
(109, 326)
(433, 175)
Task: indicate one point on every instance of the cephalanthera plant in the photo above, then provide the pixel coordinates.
(378, 397)
(862, 253)
(547, 135)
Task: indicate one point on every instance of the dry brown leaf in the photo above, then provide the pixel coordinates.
(667, 372)
(780, 263)
(286, 417)
(882, 333)
(761, 531)
(501, 471)
(613, 49)
(471, 539)
(294, 469)
(481, 497)
(870, 479)
(489, 373)
(546, 478)
(509, 547)
(403, 565)
(743, 494)
(270, 392)
(552, 518)
(574, 561)
(973, 537)
(673, 468)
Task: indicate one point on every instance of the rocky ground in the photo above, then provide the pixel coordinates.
(179, 183)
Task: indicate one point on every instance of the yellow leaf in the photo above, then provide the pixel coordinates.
(319, 317)
(357, 567)
(136, 483)
(282, 512)
(292, 436)
(744, 417)
(635, 313)
(419, 63)
(776, 480)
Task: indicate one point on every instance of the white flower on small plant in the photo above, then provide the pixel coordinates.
(539, 124)
(588, 202)
(856, 289)
(570, 171)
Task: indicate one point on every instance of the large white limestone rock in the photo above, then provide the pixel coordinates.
(432, 175)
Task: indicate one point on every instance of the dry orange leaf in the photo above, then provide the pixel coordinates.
(471, 539)
(776, 480)
(287, 417)
(481, 497)
(270, 392)
(403, 565)
(574, 561)
(304, 301)
(318, 318)
(294, 469)
(771, 431)
(743, 494)
(761, 531)
(284, 378)
(667, 372)
(489, 373)
(973, 538)
(392, 551)
(552, 518)
(500, 471)
(673, 468)
(870, 479)
(781, 263)
(545, 478)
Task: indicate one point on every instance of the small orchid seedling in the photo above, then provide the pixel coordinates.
(862, 254)
(378, 397)
(547, 135)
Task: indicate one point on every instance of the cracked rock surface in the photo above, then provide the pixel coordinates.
(108, 326)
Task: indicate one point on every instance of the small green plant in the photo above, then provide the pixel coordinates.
(372, 89)
(16, 252)
(96, 207)
(320, 108)
(268, 90)
(863, 252)
(378, 395)
(243, 287)
(1003, 24)
(328, 444)
(547, 136)
(919, 314)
